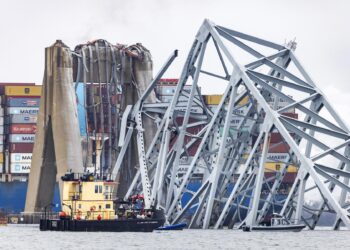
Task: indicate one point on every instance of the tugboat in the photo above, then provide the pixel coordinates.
(88, 204)
(278, 223)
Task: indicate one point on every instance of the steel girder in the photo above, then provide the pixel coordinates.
(317, 142)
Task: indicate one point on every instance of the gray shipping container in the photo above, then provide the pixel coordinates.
(21, 119)
(21, 138)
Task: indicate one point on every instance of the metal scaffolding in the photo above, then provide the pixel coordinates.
(230, 194)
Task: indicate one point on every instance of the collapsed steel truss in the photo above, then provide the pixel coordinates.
(318, 141)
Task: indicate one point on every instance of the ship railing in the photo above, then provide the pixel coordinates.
(106, 215)
(93, 215)
(74, 196)
(96, 177)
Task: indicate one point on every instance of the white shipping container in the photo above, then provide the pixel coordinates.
(26, 119)
(166, 90)
(1, 148)
(22, 138)
(236, 121)
(21, 158)
(1, 140)
(277, 157)
(1, 120)
(237, 110)
(170, 89)
(1, 168)
(185, 163)
(282, 105)
(22, 111)
(1, 111)
(197, 110)
(1, 129)
(212, 107)
(20, 168)
(182, 98)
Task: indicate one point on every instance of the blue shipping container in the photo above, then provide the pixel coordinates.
(22, 102)
(13, 197)
(80, 92)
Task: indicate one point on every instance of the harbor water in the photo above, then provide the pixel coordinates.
(29, 237)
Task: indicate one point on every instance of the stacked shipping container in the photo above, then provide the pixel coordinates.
(22, 107)
(166, 89)
(278, 149)
(21, 104)
(1, 137)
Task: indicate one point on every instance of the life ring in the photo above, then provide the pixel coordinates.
(92, 208)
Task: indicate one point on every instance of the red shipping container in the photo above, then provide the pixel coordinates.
(279, 148)
(21, 147)
(287, 178)
(168, 81)
(180, 119)
(277, 137)
(23, 129)
(193, 150)
(291, 115)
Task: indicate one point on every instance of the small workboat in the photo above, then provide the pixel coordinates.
(173, 227)
(278, 223)
(88, 204)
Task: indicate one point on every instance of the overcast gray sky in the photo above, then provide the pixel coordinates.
(321, 29)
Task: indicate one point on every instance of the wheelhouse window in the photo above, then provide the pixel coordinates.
(96, 189)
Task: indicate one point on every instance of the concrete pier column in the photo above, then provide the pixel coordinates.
(57, 146)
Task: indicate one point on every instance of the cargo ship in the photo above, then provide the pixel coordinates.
(18, 116)
(20, 105)
(89, 205)
(276, 158)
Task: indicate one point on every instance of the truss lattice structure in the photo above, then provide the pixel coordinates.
(231, 157)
